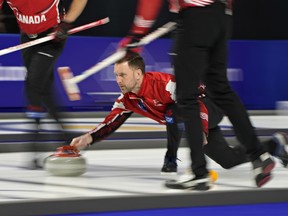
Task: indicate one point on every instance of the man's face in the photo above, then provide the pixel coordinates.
(127, 78)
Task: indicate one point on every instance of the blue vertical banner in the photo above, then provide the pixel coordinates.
(265, 71)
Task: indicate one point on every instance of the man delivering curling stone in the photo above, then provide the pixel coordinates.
(152, 94)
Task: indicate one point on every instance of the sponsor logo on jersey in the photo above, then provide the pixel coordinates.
(169, 119)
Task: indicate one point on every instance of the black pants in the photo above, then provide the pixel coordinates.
(201, 55)
(40, 61)
(217, 148)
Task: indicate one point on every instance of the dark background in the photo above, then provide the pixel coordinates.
(252, 19)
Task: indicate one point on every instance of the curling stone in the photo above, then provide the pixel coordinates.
(66, 161)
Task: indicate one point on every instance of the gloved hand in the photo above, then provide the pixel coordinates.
(61, 31)
(128, 41)
(174, 17)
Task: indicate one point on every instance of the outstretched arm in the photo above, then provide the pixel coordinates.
(146, 13)
(111, 123)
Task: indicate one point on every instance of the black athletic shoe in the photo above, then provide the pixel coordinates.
(281, 139)
(196, 183)
(262, 167)
(169, 166)
(262, 179)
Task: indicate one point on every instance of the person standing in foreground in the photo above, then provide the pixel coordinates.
(201, 55)
(152, 94)
(37, 19)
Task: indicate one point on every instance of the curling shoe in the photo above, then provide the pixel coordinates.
(262, 167)
(199, 183)
(281, 139)
(169, 166)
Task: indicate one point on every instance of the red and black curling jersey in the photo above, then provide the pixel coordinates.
(156, 93)
(147, 11)
(35, 16)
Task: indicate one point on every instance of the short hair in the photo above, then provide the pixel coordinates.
(135, 61)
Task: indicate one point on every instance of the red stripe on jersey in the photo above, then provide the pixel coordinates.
(194, 3)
